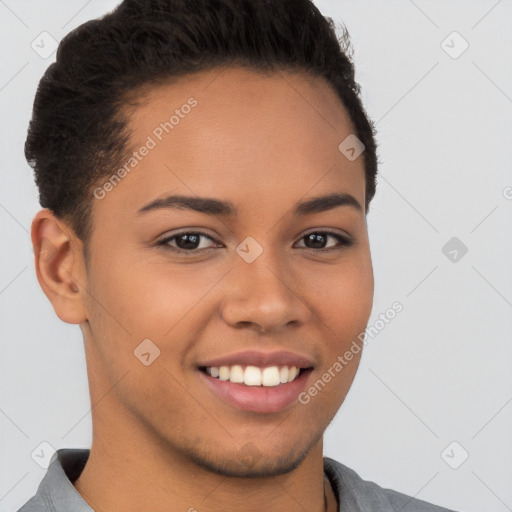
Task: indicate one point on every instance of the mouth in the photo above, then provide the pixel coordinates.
(257, 382)
(269, 376)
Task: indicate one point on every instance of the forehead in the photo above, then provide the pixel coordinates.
(234, 134)
(244, 100)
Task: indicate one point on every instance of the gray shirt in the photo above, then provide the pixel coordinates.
(57, 494)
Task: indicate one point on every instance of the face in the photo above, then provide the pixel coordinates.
(257, 282)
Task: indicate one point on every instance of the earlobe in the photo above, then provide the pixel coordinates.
(59, 266)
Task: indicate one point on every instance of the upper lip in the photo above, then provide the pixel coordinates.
(261, 359)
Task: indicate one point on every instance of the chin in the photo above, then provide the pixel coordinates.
(250, 462)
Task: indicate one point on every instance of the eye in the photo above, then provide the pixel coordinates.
(186, 242)
(189, 242)
(319, 238)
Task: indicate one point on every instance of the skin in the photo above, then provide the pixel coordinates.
(162, 440)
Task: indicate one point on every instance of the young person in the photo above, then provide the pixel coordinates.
(205, 169)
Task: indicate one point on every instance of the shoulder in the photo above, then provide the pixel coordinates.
(356, 494)
(35, 504)
(55, 492)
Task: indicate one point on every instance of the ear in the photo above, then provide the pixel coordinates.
(59, 265)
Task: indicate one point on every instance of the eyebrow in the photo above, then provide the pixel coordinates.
(217, 207)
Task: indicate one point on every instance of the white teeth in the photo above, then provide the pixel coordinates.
(253, 376)
(294, 371)
(236, 374)
(224, 373)
(270, 376)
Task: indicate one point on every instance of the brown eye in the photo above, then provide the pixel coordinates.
(187, 241)
(317, 240)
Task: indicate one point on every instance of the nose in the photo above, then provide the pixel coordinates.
(265, 296)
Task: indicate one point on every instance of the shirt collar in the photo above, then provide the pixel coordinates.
(57, 488)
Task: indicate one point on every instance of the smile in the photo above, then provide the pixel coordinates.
(269, 376)
(256, 381)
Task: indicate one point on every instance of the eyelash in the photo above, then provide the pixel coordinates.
(344, 241)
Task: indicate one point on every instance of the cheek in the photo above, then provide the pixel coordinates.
(344, 309)
(147, 298)
(167, 299)
(346, 296)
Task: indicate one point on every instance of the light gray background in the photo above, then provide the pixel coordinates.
(441, 370)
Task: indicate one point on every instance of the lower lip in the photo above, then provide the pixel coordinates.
(258, 398)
